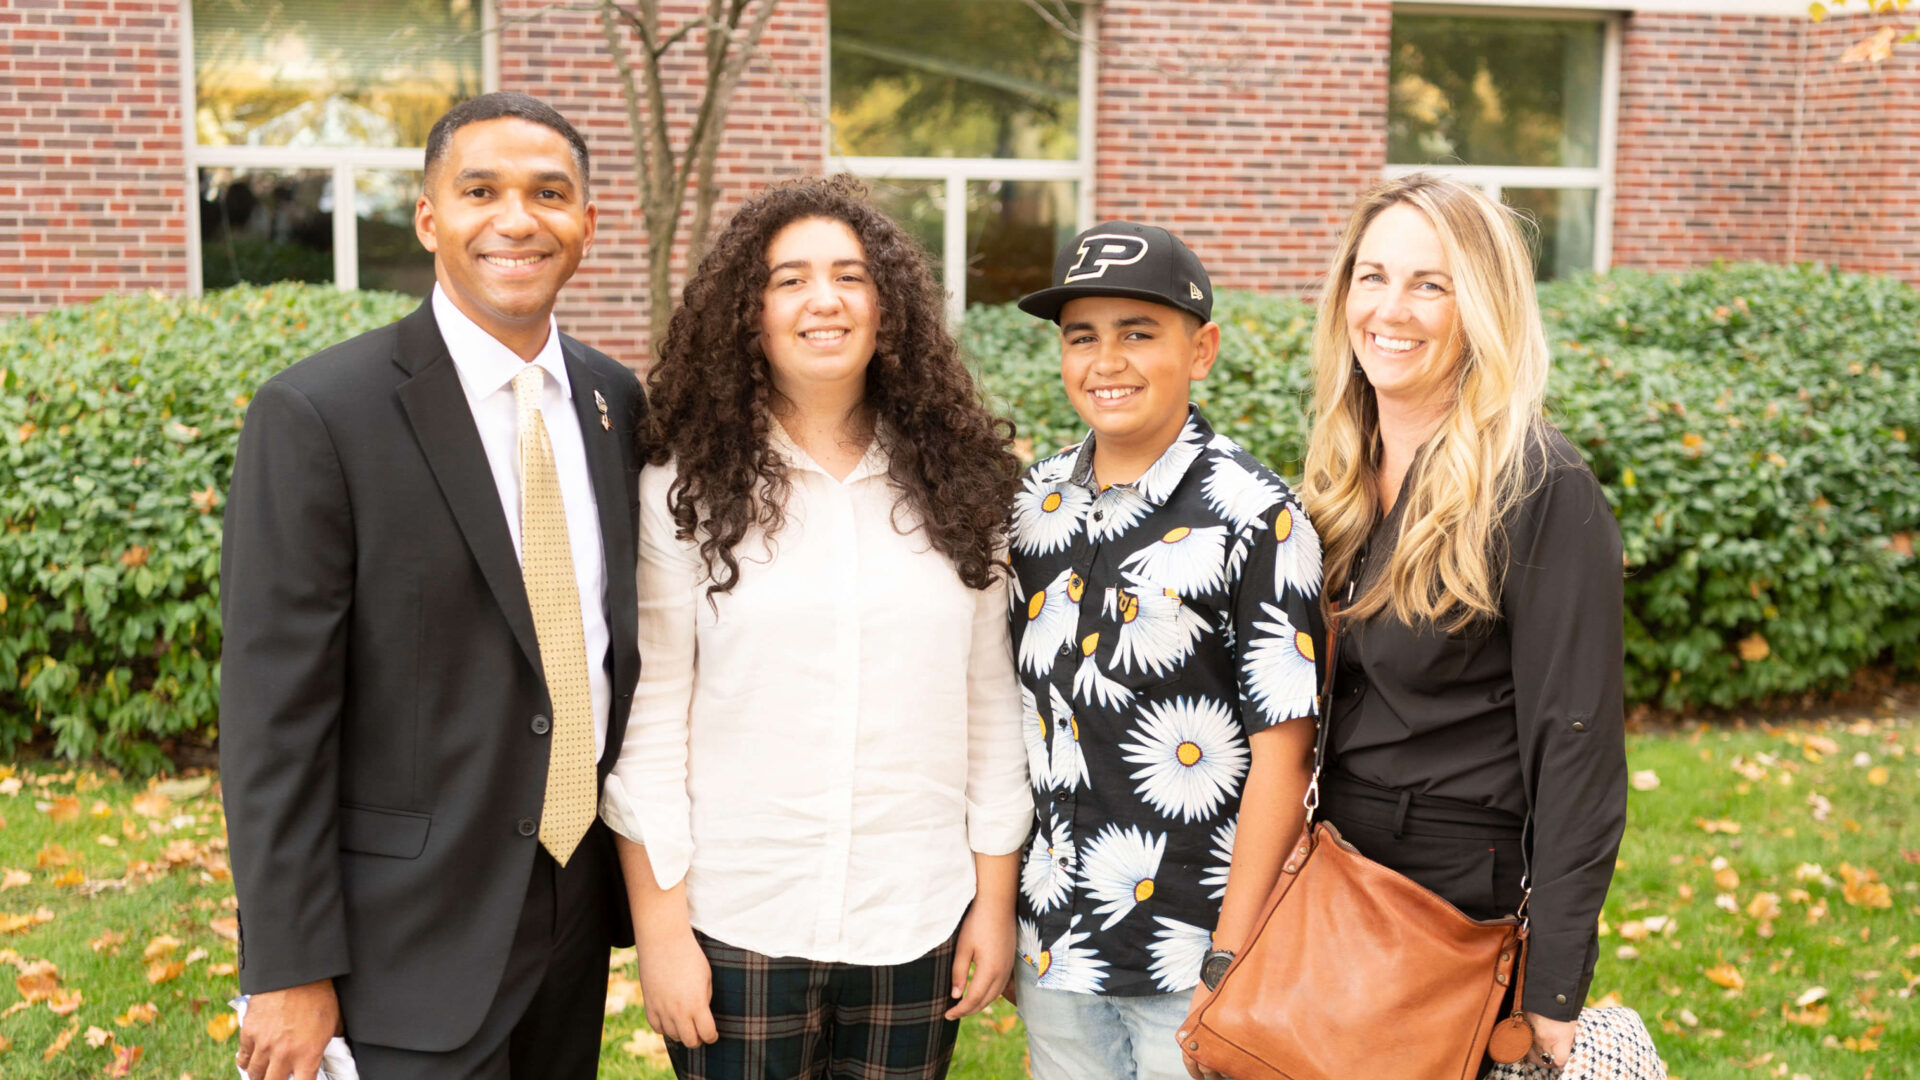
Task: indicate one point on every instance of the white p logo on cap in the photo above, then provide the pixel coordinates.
(1102, 250)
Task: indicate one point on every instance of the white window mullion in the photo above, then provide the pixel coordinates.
(1609, 122)
(346, 234)
(953, 245)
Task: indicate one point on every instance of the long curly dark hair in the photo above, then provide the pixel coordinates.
(711, 394)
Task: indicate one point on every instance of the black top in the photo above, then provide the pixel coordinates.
(1527, 708)
(1156, 625)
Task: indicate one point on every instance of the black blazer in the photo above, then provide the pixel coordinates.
(380, 678)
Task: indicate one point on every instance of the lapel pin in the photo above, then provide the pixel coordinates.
(606, 422)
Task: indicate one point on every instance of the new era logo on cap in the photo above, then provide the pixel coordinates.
(1129, 259)
(1098, 251)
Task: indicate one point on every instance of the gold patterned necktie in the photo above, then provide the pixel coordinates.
(546, 565)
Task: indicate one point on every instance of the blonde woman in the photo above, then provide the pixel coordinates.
(1478, 674)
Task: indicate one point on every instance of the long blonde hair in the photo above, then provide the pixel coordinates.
(1446, 568)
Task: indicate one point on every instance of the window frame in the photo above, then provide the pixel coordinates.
(1494, 178)
(956, 172)
(342, 161)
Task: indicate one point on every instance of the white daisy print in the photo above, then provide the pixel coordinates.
(1092, 685)
(1297, 562)
(1117, 509)
(1069, 761)
(1050, 620)
(1178, 951)
(1187, 560)
(1034, 727)
(1119, 867)
(1047, 515)
(1064, 965)
(1158, 482)
(1157, 630)
(1047, 876)
(1237, 493)
(1191, 755)
(1277, 672)
(1216, 874)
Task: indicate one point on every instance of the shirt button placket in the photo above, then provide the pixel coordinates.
(845, 647)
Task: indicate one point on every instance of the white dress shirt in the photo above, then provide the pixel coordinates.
(486, 370)
(821, 751)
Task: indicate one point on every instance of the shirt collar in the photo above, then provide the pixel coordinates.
(1157, 483)
(485, 365)
(874, 463)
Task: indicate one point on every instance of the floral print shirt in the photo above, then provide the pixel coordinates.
(1155, 626)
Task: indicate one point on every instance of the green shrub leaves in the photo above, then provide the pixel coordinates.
(118, 422)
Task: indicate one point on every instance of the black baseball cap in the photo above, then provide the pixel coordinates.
(1125, 258)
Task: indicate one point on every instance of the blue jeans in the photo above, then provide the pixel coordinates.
(1074, 1036)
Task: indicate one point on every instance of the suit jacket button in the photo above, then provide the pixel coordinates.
(1579, 726)
(1559, 999)
(528, 827)
(541, 726)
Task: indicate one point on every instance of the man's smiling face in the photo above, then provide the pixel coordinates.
(507, 218)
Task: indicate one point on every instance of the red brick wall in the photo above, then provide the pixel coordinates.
(93, 191)
(1858, 184)
(1245, 126)
(1704, 164)
(773, 133)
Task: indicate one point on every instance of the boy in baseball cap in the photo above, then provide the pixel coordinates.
(1166, 626)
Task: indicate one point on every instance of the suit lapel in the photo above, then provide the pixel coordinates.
(442, 422)
(601, 438)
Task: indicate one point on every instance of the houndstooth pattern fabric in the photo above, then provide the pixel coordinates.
(546, 565)
(1610, 1044)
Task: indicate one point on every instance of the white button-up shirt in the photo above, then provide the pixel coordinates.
(821, 751)
(486, 370)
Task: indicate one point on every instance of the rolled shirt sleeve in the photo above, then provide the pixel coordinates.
(645, 796)
(1563, 602)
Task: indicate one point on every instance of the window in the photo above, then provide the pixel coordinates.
(972, 121)
(309, 121)
(1521, 106)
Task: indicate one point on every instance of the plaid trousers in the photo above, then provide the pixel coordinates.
(782, 1018)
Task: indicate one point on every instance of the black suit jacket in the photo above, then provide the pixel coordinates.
(380, 679)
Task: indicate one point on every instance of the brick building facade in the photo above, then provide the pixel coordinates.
(1728, 129)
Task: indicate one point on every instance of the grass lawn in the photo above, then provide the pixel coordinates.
(1765, 919)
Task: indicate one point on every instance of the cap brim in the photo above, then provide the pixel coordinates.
(1046, 303)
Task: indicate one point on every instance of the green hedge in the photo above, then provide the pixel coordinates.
(118, 422)
(1757, 429)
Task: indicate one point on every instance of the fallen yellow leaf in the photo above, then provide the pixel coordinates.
(222, 1026)
(159, 947)
(123, 1060)
(60, 1042)
(108, 941)
(65, 808)
(164, 970)
(1726, 975)
(1726, 879)
(152, 804)
(1877, 776)
(14, 924)
(1863, 888)
(98, 1037)
(1754, 648)
(144, 1013)
(64, 1001)
(226, 926)
(1764, 905)
(71, 877)
(37, 986)
(13, 879)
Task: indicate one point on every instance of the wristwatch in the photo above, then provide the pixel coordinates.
(1214, 967)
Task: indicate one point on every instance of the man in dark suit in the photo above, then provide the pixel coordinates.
(428, 592)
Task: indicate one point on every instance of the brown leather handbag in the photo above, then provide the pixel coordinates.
(1355, 970)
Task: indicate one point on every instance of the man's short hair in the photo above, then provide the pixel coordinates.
(500, 105)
